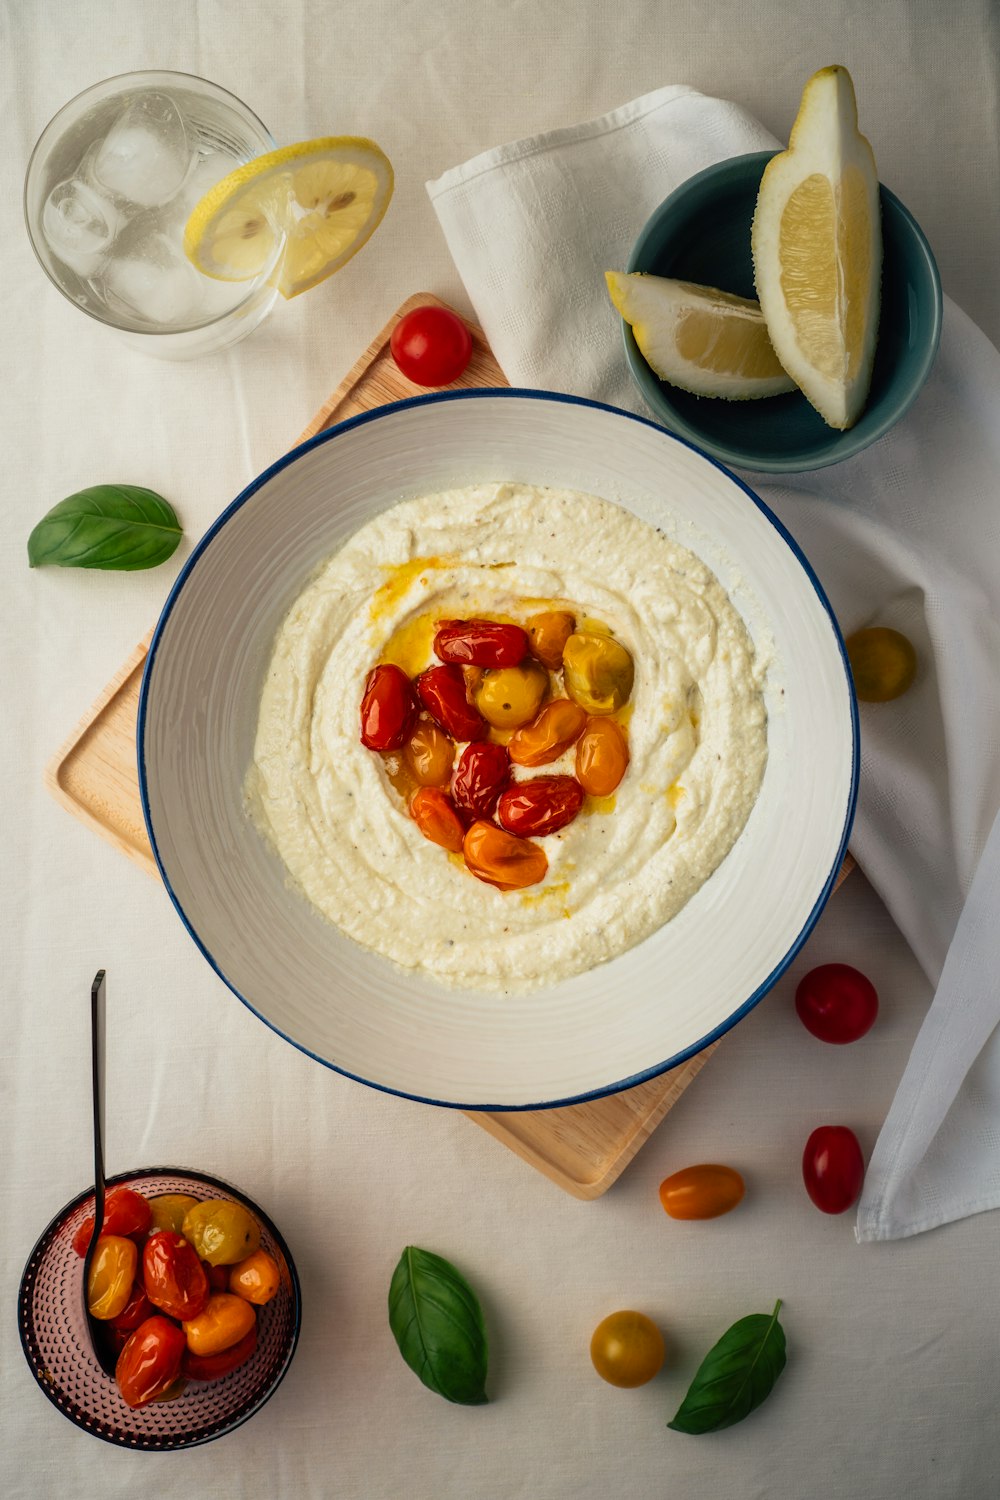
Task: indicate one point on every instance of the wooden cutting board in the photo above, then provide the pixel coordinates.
(582, 1148)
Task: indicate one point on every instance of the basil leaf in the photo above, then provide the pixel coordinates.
(735, 1376)
(438, 1324)
(120, 526)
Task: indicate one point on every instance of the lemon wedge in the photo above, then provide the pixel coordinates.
(303, 210)
(705, 341)
(817, 251)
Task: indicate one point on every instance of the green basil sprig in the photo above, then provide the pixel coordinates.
(119, 526)
(438, 1324)
(735, 1376)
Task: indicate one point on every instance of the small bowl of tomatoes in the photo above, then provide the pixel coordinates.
(197, 1297)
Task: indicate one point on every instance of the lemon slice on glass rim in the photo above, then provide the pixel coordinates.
(311, 205)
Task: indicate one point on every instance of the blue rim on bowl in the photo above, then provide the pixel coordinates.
(701, 233)
(382, 414)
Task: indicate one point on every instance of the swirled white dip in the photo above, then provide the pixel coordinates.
(696, 726)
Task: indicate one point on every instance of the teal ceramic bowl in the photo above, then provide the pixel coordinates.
(701, 233)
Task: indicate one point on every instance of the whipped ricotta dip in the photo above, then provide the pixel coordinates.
(696, 726)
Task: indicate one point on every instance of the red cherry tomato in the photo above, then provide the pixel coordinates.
(173, 1276)
(836, 1003)
(213, 1366)
(218, 1276)
(125, 1213)
(833, 1168)
(480, 643)
(150, 1361)
(388, 708)
(543, 805)
(431, 345)
(136, 1310)
(483, 772)
(442, 692)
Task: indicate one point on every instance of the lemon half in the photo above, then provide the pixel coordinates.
(698, 338)
(325, 197)
(817, 250)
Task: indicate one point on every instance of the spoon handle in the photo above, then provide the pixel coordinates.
(97, 1025)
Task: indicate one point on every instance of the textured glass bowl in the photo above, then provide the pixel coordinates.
(57, 1345)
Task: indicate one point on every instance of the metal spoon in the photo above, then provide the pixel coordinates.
(98, 1333)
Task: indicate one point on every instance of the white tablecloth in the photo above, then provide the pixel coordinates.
(893, 1349)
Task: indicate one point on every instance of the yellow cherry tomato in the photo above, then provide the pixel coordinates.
(598, 672)
(255, 1279)
(512, 696)
(225, 1321)
(702, 1192)
(627, 1349)
(883, 663)
(222, 1232)
(169, 1210)
(112, 1272)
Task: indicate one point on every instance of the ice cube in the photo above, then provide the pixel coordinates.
(158, 286)
(79, 225)
(146, 154)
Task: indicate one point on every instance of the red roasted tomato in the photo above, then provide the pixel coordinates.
(543, 805)
(480, 643)
(442, 692)
(150, 1361)
(173, 1275)
(125, 1213)
(212, 1366)
(483, 772)
(388, 708)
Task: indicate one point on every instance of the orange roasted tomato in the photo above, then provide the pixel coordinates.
(601, 757)
(213, 1366)
(255, 1279)
(112, 1272)
(627, 1349)
(548, 634)
(429, 754)
(549, 735)
(434, 814)
(702, 1192)
(502, 860)
(225, 1321)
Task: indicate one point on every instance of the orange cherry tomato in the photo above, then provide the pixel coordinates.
(225, 1321)
(548, 634)
(150, 1362)
(703, 1192)
(255, 1279)
(543, 805)
(502, 860)
(549, 735)
(627, 1349)
(601, 757)
(430, 755)
(125, 1212)
(173, 1276)
(214, 1366)
(434, 814)
(112, 1272)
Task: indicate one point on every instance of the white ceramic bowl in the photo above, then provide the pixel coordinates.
(598, 1032)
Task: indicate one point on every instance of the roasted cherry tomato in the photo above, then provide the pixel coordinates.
(168, 1211)
(543, 805)
(703, 1192)
(431, 346)
(601, 757)
(598, 672)
(136, 1310)
(441, 690)
(434, 814)
(482, 773)
(883, 663)
(255, 1279)
(125, 1212)
(150, 1362)
(225, 1321)
(627, 1349)
(511, 696)
(112, 1272)
(388, 708)
(430, 755)
(549, 735)
(222, 1232)
(502, 860)
(218, 1277)
(480, 643)
(172, 1274)
(836, 1003)
(214, 1366)
(548, 634)
(833, 1168)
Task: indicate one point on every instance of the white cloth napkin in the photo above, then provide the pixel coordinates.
(906, 534)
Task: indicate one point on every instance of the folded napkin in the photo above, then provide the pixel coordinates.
(906, 534)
